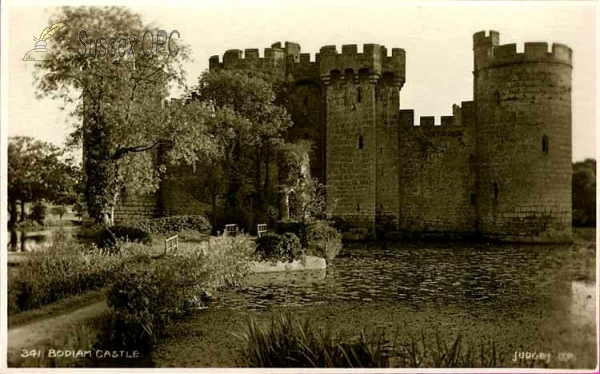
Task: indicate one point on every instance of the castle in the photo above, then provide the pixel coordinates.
(499, 167)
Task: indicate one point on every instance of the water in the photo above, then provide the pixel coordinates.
(441, 274)
(31, 241)
(526, 297)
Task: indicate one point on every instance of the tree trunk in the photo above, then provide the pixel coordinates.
(285, 206)
(214, 212)
(12, 209)
(23, 214)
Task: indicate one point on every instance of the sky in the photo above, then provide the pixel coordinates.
(437, 38)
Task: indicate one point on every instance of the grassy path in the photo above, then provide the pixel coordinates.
(34, 335)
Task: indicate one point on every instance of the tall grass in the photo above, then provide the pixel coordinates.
(63, 269)
(285, 342)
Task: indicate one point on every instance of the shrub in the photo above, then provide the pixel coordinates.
(295, 227)
(228, 259)
(145, 300)
(274, 247)
(62, 271)
(287, 343)
(323, 240)
(38, 213)
(109, 238)
(174, 224)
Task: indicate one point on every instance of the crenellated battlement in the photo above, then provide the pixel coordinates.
(489, 52)
(483, 39)
(533, 52)
(373, 62)
(426, 123)
(274, 56)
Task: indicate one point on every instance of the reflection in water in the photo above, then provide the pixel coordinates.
(31, 241)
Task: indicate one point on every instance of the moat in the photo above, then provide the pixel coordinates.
(523, 297)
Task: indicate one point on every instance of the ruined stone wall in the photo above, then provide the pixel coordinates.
(524, 140)
(437, 174)
(133, 207)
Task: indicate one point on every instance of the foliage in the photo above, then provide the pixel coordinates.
(38, 213)
(323, 240)
(288, 343)
(584, 193)
(274, 247)
(116, 102)
(38, 171)
(59, 211)
(64, 269)
(456, 353)
(228, 259)
(174, 225)
(245, 125)
(297, 228)
(145, 300)
(111, 237)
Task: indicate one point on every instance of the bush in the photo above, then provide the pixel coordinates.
(174, 225)
(295, 227)
(109, 239)
(145, 300)
(323, 240)
(274, 247)
(38, 213)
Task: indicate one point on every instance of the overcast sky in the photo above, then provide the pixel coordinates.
(437, 39)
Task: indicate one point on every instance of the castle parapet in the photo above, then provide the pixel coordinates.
(489, 52)
(426, 123)
(533, 52)
(276, 55)
(374, 61)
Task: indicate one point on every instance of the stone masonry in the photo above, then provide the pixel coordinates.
(499, 167)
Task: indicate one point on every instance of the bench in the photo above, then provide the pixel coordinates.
(171, 244)
(230, 230)
(261, 229)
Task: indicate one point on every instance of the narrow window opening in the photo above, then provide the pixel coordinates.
(497, 97)
(360, 142)
(358, 95)
(306, 102)
(357, 207)
(381, 150)
(472, 199)
(495, 190)
(545, 144)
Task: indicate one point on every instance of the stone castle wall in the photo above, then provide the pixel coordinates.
(437, 180)
(499, 167)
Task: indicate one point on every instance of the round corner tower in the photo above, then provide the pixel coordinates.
(523, 103)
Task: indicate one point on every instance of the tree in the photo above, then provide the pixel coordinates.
(244, 125)
(36, 172)
(117, 101)
(584, 193)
